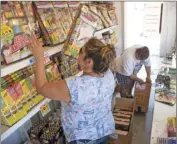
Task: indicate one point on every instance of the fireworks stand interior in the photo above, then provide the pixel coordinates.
(63, 27)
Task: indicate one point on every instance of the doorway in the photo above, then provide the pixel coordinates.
(142, 25)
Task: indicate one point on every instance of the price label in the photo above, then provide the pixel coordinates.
(46, 59)
(45, 109)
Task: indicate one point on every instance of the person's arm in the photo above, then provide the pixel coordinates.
(53, 90)
(148, 72)
(128, 66)
(134, 77)
(147, 64)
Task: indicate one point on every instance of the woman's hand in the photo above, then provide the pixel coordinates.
(36, 47)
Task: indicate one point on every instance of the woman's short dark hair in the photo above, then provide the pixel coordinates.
(101, 54)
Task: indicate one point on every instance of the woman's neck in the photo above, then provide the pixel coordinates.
(93, 74)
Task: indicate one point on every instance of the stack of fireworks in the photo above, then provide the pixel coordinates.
(122, 117)
(67, 65)
(47, 131)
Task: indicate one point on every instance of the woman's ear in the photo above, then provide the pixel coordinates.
(89, 61)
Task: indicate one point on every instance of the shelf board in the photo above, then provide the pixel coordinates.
(13, 128)
(8, 69)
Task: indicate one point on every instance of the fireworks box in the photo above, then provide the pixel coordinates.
(171, 126)
(142, 95)
(123, 116)
(37, 130)
(51, 135)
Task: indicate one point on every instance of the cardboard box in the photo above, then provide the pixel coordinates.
(121, 139)
(125, 107)
(142, 95)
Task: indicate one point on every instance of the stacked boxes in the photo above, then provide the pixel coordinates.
(50, 135)
(52, 73)
(67, 66)
(47, 131)
(36, 131)
(18, 93)
(123, 116)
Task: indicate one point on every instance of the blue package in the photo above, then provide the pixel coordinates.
(17, 29)
(171, 141)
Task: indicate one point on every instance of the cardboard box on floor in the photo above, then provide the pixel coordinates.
(142, 95)
(123, 137)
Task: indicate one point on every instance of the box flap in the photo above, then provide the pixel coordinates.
(121, 132)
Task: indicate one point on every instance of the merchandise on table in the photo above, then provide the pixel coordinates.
(73, 7)
(163, 79)
(171, 126)
(14, 32)
(165, 87)
(51, 28)
(172, 71)
(63, 15)
(167, 99)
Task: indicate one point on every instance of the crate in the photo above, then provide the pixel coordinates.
(123, 115)
(142, 95)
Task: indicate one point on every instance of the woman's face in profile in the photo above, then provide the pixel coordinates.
(81, 59)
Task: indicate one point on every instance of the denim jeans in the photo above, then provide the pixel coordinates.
(85, 141)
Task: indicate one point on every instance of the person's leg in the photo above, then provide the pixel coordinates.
(121, 84)
(130, 88)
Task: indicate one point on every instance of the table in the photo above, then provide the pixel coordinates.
(159, 123)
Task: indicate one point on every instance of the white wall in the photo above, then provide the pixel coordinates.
(120, 15)
(168, 33)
